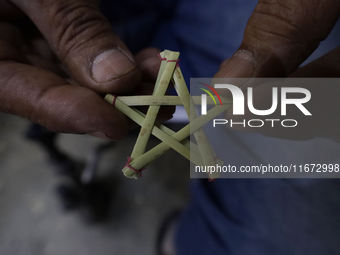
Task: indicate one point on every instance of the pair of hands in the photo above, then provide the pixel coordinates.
(279, 36)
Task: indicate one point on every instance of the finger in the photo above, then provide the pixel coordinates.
(322, 124)
(45, 64)
(47, 99)
(280, 35)
(82, 38)
(149, 63)
(224, 63)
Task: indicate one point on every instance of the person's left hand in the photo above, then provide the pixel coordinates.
(45, 42)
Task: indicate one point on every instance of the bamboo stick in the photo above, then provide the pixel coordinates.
(151, 115)
(203, 143)
(138, 117)
(187, 143)
(161, 68)
(158, 150)
(167, 100)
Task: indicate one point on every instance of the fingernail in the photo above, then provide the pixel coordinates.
(100, 135)
(241, 65)
(111, 64)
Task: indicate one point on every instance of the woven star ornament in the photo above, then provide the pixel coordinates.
(199, 152)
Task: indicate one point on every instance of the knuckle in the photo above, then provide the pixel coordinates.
(275, 20)
(77, 24)
(279, 29)
(292, 20)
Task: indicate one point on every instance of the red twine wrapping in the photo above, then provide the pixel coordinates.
(174, 61)
(114, 99)
(160, 57)
(217, 158)
(134, 169)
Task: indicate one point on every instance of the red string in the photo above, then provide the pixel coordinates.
(114, 99)
(160, 57)
(217, 158)
(211, 180)
(175, 61)
(134, 169)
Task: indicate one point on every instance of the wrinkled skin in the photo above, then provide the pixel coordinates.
(279, 36)
(63, 41)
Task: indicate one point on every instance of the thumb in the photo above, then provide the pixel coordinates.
(279, 36)
(83, 40)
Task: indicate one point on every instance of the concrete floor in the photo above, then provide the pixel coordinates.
(32, 221)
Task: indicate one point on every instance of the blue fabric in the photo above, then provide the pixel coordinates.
(261, 217)
(264, 216)
(241, 216)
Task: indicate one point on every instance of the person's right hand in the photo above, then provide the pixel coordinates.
(34, 87)
(279, 36)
